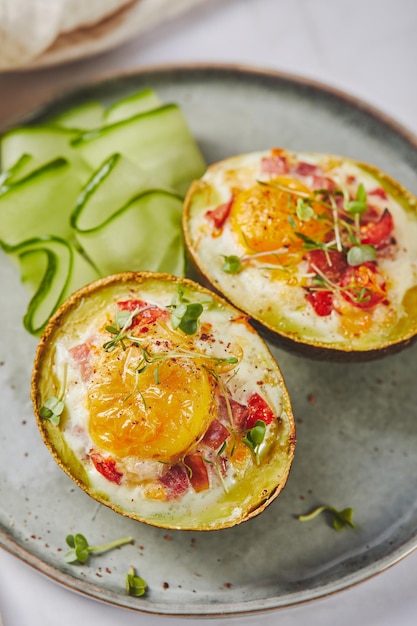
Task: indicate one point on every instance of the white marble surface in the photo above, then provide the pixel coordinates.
(365, 47)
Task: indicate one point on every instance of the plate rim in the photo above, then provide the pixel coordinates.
(52, 98)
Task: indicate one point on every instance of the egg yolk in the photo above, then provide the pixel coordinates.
(151, 415)
(265, 219)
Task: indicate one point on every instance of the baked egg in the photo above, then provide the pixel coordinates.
(320, 250)
(160, 400)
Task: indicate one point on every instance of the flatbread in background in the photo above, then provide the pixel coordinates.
(41, 33)
(29, 27)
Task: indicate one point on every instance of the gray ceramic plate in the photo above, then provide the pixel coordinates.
(357, 426)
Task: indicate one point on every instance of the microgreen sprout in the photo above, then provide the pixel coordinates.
(185, 314)
(340, 520)
(217, 465)
(53, 406)
(119, 330)
(254, 438)
(304, 210)
(151, 358)
(52, 409)
(80, 550)
(361, 253)
(135, 585)
(232, 264)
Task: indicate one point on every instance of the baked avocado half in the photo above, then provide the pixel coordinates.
(320, 250)
(159, 399)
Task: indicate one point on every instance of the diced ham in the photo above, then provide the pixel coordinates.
(198, 474)
(322, 182)
(83, 357)
(239, 412)
(307, 169)
(106, 467)
(215, 435)
(175, 481)
(276, 164)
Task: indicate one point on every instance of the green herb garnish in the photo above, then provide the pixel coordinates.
(52, 410)
(80, 550)
(185, 314)
(361, 253)
(359, 204)
(135, 585)
(341, 519)
(304, 210)
(232, 264)
(254, 438)
(122, 323)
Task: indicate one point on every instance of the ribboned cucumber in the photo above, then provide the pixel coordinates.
(51, 268)
(43, 143)
(111, 186)
(144, 234)
(40, 203)
(83, 116)
(108, 185)
(135, 103)
(158, 141)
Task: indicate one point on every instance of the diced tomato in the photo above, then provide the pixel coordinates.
(106, 467)
(378, 191)
(199, 476)
(82, 355)
(220, 214)
(332, 264)
(131, 305)
(175, 481)
(258, 409)
(276, 164)
(378, 233)
(363, 286)
(239, 412)
(321, 301)
(148, 315)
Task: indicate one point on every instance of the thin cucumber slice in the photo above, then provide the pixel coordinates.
(110, 188)
(139, 102)
(158, 141)
(19, 170)
(44, 143)
(39, 204)
(143, 235)
(81, 117)
(51, 269)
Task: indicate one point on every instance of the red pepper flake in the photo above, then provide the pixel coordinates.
(165, 585)
(311, 398)
(167, 537)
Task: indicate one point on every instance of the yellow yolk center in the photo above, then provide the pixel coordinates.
(265, 219)
(151, 415)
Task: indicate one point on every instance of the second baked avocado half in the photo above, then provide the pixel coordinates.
(320, 250)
